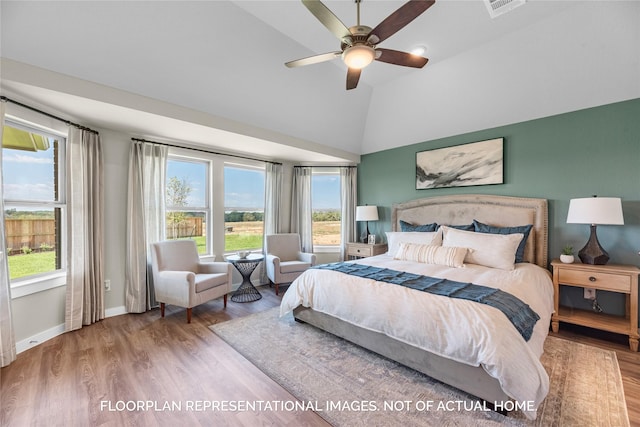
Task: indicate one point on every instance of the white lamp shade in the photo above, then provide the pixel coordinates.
(595, 210)
(366, 213)
(358, 56)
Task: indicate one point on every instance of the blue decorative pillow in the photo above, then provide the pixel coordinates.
(465, 227)
(405, 226)
(524, 229)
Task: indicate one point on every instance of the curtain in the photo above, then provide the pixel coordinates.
(272, 200)
(348, 198)
(301, 214)
(85, 222)
(146, 221)
(7, 338)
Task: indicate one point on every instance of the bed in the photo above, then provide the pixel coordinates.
(460, 347)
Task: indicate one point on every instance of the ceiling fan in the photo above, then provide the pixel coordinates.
(358, 47)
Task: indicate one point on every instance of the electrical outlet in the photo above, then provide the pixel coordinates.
(589, 293)
(107, 285)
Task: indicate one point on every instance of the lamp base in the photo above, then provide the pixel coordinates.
(593, 253)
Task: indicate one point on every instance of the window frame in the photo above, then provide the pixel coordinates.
(181, 156)
(248, 165)
(26, 285)
(333, 171)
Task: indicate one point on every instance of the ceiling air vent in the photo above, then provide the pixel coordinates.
(499, 7)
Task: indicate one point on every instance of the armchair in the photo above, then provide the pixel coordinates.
(179, 278)
(285, 260)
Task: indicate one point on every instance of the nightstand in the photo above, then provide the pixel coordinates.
(363, 250)
(613, 278)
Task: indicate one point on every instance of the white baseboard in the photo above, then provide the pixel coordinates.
(115, 311)
(43, 336)
(39, 338)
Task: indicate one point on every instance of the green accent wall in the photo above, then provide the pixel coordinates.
(571, 155)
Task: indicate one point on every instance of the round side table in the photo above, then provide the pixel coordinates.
(246, 292)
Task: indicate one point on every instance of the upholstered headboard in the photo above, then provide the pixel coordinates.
(501, 211)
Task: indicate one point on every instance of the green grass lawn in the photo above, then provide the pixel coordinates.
(33, 263)
(43, 262)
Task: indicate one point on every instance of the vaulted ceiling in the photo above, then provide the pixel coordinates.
(212, 72)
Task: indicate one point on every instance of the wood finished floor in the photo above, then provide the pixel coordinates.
(141, 357)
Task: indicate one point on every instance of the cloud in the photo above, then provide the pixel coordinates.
(21, 158)
(28, 192)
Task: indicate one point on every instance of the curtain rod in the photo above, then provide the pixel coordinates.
(326, 166)
(67, 122)
(206, 151)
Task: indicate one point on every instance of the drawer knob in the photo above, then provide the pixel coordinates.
(592, 279)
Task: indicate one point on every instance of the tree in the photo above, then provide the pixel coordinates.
(178, 191)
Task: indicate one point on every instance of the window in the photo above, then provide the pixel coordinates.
(35, 211)
(243, 207)
(187, 201)
(326, 206)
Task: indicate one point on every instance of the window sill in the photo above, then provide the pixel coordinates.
(22, 288)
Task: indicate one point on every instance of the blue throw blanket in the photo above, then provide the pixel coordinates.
(519, 313)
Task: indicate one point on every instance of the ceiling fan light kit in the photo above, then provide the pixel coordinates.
(358, 56)
(359, 43)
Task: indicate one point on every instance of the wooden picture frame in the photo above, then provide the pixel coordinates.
(476, 163)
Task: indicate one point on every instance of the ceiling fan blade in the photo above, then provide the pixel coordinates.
(327, 18)
(396, 57)
(313, 59)
(398, 19)
(353, 75)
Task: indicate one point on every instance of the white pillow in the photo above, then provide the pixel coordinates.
(394, 238)
(491, 250)
(430, 254)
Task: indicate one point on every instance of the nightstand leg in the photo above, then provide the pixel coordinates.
(555, 326)
(633, 344)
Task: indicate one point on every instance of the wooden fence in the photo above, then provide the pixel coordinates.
(30, 233)
(36, 234)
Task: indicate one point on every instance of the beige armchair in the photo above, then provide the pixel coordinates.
(285, 260)
(179, 278)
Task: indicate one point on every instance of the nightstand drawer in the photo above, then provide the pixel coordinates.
(360, 250)
(604, 281)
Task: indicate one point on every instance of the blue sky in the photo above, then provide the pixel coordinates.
(29, 176)
(244, 188)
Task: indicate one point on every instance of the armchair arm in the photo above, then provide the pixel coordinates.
(307, 257)
(272, 263)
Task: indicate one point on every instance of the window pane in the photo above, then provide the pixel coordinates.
(326, 206)
(187, 184)
(188, 225)
(29, 166)
(33, 241)
(244, 208)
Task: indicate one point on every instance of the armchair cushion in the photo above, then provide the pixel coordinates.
(293, 266)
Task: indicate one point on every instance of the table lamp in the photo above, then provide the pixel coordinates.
(366, 213)
(595, 211)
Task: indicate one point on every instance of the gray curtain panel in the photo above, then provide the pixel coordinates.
(272, 201)
(301, 214)
(146, 221)
(349, 199)
(7, 337)
(85, 222)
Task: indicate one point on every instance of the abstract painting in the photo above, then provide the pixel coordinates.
(477, 163)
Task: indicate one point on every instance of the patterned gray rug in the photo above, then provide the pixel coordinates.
(350, 386)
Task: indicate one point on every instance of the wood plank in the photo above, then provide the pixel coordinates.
(146, 357)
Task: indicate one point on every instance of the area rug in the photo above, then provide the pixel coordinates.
(350, 386)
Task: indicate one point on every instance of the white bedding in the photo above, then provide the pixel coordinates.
(466, 331)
